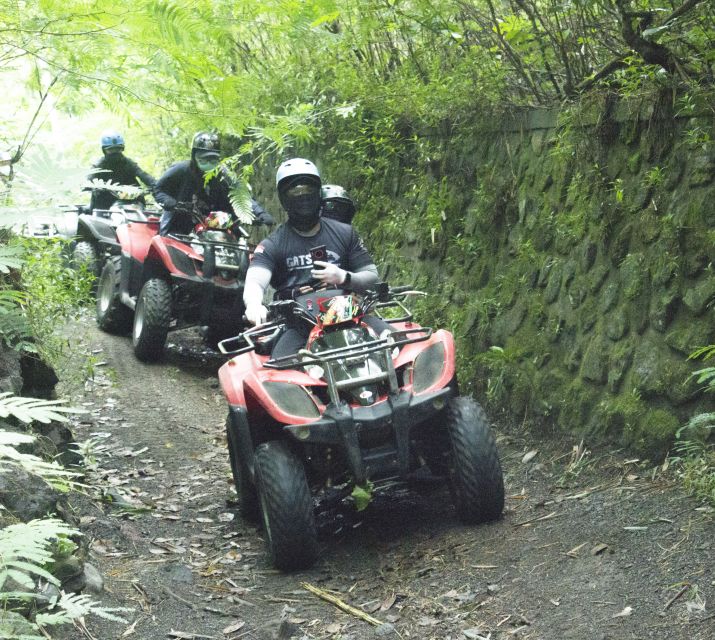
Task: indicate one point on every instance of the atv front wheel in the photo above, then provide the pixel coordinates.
(286, 507)
(246, 490)
(85, 255)
(111, 314)
(474, 470)
(151, 319)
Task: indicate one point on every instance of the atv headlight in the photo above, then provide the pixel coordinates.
(428, 367)
(292, 399)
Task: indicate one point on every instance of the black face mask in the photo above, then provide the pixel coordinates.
(302, 202)
(112, 160)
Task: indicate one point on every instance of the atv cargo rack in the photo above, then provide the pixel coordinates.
(328, 359)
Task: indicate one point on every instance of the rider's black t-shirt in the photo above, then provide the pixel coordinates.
(286, 254)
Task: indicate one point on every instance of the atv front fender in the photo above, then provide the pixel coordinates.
(238, 423)
(98, 230)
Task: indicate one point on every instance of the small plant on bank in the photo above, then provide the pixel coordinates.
(695, 447)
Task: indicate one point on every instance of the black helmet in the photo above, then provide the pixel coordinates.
(337, 204)
(298, 182)
(205, 141)
(205, 150)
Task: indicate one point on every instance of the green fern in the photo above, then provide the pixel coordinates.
(73, 606)
(25, 548)
(34, 409)
(25, 551)
(54, 474)
(10, 258)
(10, 299)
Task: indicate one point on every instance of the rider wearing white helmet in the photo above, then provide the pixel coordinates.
(283, 259)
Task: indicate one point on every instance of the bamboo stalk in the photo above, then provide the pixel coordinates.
(324, 595)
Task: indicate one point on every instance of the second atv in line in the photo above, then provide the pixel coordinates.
(155, 284)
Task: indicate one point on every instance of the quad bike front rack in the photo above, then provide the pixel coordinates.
(327, 360)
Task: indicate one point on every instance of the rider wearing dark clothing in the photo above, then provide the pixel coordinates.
(283, 259)
(183, 187)
(337, 204)
(287, 254)
(117, 168)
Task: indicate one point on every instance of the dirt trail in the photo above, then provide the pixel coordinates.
(587, 550)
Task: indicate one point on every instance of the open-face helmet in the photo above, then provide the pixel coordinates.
(298, 183)
(337, 204)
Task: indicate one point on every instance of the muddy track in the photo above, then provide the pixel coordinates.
(590, 547)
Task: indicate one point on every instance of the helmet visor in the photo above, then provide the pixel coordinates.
(207, 160)
(113, 149)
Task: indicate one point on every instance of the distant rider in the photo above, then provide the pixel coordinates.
(182, 188)
(337, 204)
(117, 168)
(283, 258)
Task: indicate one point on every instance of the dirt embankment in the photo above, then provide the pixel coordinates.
(592, 546)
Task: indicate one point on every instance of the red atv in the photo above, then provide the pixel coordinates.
(96, 233)
(351, 409)
(173, 282)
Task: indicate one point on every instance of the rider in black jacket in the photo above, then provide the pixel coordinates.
(181, 189)
(117, 168)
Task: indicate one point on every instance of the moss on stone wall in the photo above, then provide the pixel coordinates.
(586, 260)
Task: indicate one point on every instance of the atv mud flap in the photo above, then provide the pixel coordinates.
(242, 431)
(343, 425)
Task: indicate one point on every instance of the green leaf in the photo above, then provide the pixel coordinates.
(362, 496)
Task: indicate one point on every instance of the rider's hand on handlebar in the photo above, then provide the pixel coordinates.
(328, 273)
(256, 314)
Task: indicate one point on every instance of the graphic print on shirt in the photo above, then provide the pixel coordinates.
(305, 262)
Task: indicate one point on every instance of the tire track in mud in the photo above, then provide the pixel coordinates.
(173, 549)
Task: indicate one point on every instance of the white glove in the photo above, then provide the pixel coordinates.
(256, 314)
(328, 273)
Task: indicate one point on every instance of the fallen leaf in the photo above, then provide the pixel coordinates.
(625, 613)
(388, 602)
(474, 634)
(335, 627)
(181, 635)
(130, 629)
(529, 456)
(599, 548)
(232, 628)
(426, 621)
(555, 602)
(574, 552)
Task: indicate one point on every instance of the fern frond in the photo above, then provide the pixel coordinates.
(10, 299)
(26, 547)
(34, 409)
(77, 605)
(42, 177)
(51, 472)
(10, 258)
(124, 191)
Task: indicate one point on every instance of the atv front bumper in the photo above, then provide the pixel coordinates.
(347, 428)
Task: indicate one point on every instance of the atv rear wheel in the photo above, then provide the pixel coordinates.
(286, 507)
(474, 470)
(247, 494)
(151, 319)
(85, 255)
(111, 314)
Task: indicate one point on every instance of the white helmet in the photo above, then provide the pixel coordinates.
(298, 182)
(296, 167)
